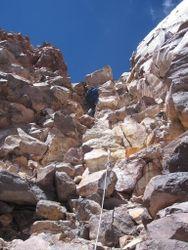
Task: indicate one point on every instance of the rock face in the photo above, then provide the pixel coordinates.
(57, 162)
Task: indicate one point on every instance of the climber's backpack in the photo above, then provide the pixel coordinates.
(92, 96)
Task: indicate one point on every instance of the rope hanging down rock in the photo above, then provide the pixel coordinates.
(103, 197)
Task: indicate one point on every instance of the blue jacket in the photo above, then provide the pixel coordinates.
(92, 96)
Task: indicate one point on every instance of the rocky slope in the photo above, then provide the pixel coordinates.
(53, 155)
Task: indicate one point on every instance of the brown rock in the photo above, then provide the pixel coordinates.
(61, 93)
(51, 58)
(85, 208)
(163, 244)
(128, 173)
(174, 209)
(24, 143)
(65, 186)
(74, 156)
(17, 190)
(87, 120)
(50, 210)
(58, 144)
(177, 161)
(45, 241)
(52, 227)
(174, 226)
(46, 176)
(96, 160)
(65, 167)
(99, 77)
(164, 190)
(114, 224)
(94, 183)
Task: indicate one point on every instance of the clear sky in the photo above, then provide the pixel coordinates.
(90, 33)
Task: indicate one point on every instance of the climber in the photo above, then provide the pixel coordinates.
(92, 97)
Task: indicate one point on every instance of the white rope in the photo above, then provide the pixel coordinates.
(103, 197)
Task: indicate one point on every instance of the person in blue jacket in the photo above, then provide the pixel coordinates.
(92, 97)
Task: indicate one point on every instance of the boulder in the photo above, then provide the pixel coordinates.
(65, 167)
(149, 171)
(61, 81)
(65, 123)
(51, 58)
(15, 113)
(50, 210)
(114, 224)
(136, 214)
(174, 226)
(173, 209)
(99, 77)
(128, 173)
(58, 144)
(23, 143)
(94, 183)
(177, 161)
(108, 102)
(96, 160)
(74, 156)
(45, 177)
(61, 93)
(132, 244)
(45, 241)
(162, 244)
(16, 190)
(134, 132)
(85, 208)
(65, 186)
(54, 227)
(87, 120)
(164, 190)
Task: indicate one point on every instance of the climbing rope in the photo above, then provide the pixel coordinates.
(103, 197)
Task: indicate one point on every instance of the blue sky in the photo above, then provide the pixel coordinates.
(90, 33)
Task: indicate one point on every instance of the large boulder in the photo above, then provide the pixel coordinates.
(99, 77)
(53, 227)
(23, 144)
(162, 244)
(50, 210)
(174, 226)
(164, 190)
(46, 178)
(177, 161)
(94, 183)
(114, 224)
(173, 209)
(134, 132)
(134, 173)
(96, 160)
(61, 93)
(128, 173)
(65, 186)
(45, 241)
(58, 144)
(173, 152)
(85, 208)
(16, 190)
